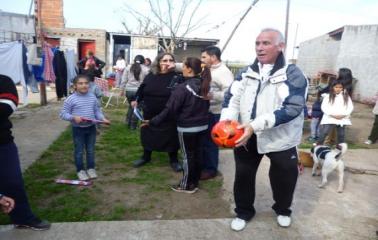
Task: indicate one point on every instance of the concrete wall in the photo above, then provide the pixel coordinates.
(318, 54)
(14, 26)
(191, 51)
(69, 38)
(359, 52)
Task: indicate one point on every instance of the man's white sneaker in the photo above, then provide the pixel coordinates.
(368, 142)
(92, 173)
(283, 221)
(82, 175)
(238, 224)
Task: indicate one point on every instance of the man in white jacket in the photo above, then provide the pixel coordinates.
(268, 97)
(221, 79)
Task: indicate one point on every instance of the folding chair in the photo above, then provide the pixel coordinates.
(104, 86)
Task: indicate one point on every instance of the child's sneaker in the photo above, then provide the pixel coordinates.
(92, 173)
(368, 142)
(82, 175)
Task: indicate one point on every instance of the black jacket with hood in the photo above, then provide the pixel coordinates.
(186, 106)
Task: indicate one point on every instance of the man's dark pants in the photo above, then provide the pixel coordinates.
(283, 174)
(210, 149)
(12, 184)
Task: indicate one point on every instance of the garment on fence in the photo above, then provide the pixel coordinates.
(48, 71)
(39, 69)
(71, 66)
(11, 61)
(60, 70)
(33, 58)
(32, 83)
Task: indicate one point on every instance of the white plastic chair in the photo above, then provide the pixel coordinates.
(104, 86)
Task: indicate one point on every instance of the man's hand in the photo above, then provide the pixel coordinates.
(77, 119)
(145, 123)
(7, 204)
(134, 104)
(248, 131)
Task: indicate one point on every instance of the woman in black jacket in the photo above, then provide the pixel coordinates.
(189, 106)
(153, 95)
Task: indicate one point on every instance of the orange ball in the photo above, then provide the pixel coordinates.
(225, 133)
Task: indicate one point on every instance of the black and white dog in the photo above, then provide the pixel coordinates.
(329, 159)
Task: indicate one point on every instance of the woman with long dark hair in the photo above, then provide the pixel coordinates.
(132, 78)
(189, 105)
(154, 93)
(346, 77)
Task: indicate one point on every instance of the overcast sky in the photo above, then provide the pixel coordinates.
(310, 18)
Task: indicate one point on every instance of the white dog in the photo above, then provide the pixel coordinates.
(329, 159)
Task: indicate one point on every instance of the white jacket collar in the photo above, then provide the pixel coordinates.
(278, 76)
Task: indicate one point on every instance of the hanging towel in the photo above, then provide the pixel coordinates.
(71, 66)
(11, 61)
(33, 58)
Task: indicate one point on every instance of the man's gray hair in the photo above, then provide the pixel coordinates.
(280, 39)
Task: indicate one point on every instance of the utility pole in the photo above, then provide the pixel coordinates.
(40, 37)
(237, 25)
(295, 41)
(287, 23)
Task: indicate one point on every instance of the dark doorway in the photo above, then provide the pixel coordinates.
(121, 46)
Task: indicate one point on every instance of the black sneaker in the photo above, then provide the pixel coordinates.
(176, 166)
(139, 162)
(178, 188)
(38, 225)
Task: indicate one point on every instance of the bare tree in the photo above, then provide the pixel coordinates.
(171, 20)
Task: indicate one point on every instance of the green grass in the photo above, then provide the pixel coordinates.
(113, 194)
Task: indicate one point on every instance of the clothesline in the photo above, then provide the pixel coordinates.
(24, 66)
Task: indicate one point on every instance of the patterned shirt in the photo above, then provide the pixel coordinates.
(81, 105)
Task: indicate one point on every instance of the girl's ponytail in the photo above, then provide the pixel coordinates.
(206, 79)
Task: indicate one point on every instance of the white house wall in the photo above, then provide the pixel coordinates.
(318, 54)
(359, 52)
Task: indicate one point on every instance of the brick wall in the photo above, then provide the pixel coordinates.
(51, 13)
(70, 37)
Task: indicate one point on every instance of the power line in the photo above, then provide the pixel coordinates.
(217, 26)
(237, 25)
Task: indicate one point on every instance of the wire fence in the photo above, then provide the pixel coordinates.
(10, 36)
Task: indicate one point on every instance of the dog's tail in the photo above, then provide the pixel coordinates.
(341, 150)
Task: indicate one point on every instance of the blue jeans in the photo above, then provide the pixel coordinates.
(315, 122)
(326, 129)
(84, 137)
(210, 149)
